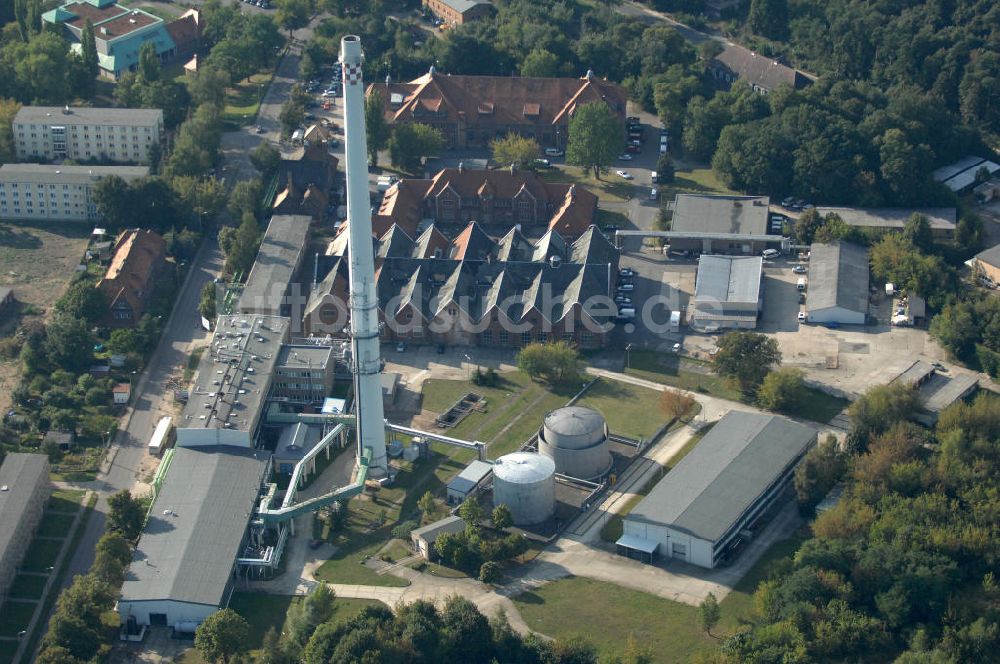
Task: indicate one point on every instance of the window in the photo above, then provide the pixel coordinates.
(486, 338)
(543, 337)
(504, 337)
(679, 550)
(525, 338)
(587, 338)
(567, 337)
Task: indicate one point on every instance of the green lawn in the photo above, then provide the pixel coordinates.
(628, 409)
(610, 188)
(41, 555)
(243, 100)
(7, 651)
(664, 368)
(671, 630)
(27, 586)
(818, 406)
(696, 181)
(66, 500)
(55, 525)
(15, 616)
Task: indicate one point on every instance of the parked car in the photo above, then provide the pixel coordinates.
(770, 253)
(802, 316)
(258, 129)
(544, 163)
(676, 348)
(553, 152)
(788, 203)
(622, 298)
(652, 177)
(631, 120)
(626, 272)
(800, 269)
(626, 288)
(625, 175)
(653, 194)
(400, 347)
(625, 157)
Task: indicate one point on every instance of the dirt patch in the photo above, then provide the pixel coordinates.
(37, 261)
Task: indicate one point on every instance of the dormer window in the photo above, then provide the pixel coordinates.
(532, 110)
(486, 108)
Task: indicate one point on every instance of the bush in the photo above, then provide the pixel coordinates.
(402, 531)
(489, 572)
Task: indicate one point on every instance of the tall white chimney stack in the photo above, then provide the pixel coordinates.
(364, 304)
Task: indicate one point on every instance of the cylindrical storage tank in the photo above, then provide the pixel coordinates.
(526, 484)
(576, 439)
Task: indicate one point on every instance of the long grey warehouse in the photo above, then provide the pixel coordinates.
(737, 471)
(183, 568)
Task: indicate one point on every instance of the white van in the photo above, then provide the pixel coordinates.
(801, 284)
(626, 313)
(770, 253)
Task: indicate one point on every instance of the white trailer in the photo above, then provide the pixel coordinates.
(162, 436)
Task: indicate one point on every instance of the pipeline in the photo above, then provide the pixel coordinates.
(286, 513)
(479, 447)
(293, 484)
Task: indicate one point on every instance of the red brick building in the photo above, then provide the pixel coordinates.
(471, 111)
(130, 280)
(459, 12)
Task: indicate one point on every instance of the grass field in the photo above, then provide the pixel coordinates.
(55, 525)
(41, 555)
(27, 586)
(665, 368)
(7, 651)
(15, 616)
(66, 500)
(671, 630)
(818, 406)
(610, 188)
(696, 181)
(628, 409)
(243, 100)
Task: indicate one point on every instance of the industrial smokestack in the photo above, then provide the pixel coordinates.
(367, 365)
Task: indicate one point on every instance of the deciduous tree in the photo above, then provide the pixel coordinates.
(222, 636)
(782, 389)
(126, 514)
(709, 613)
(410, 143)
(377, 129)
(556, 362)
(746, 357)
(517, 150)
(595, 137)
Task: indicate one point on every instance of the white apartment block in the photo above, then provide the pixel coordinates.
(104, 134)
(61, 193)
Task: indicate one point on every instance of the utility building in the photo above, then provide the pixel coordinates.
(838, 284)
(184, 566)
(705, 505)
(727, 292)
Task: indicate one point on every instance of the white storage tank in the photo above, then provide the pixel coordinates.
(526, 484)
(576, 439)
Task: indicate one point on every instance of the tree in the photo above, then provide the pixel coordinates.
(316, 609)
(113, 555)
(472, 512)
(426, 505)
(820, 470)
(68, 343)
(540, 63)
(208, 86)
(246, 198)
(149, 63)
(664, 169)
(112, 196)
(746, 357)
(206, 303)
(82, 300)
(782, 390)
(489, 572)
(411, 142)
(918, 232)
(377, 129)
(517, 150)
(806, 225)
(595, 137)
(555, 363)
(292, 116)
(126, 514)
(293, 14)
(203, 197)
(709, 613)
(878, 410)
(8, 110)
(222, 636)
(501, 517)
(88, 51)
(675, 403)
(769, 18)
(56, 654)
(266, 159)
(239, 245)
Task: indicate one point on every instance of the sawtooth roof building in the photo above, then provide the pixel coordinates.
(838, 284)
(472, 111)
(503, 196)
(476, 290)
(727, 292)
(183, 569)
(723, 487)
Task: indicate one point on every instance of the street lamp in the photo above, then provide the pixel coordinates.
(628, 347)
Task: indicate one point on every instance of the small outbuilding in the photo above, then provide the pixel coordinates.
(838, 284)
(121, 392)
(466, 481)
(423, 538)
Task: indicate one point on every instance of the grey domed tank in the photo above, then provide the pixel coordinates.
(526, 484)
(576, 439)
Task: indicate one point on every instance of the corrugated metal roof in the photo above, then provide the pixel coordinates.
(725, 473)
(187, 554)
(430, 532)
(727, 279)
(838, 277)
(470, 476)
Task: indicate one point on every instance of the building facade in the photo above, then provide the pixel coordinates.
(131, 277)
(26, 488)
(472, 111)
(120, 32)
(56, 193)
(761, 73)
(83, 134)
(303, 374)
(459, 12)
(727, 292)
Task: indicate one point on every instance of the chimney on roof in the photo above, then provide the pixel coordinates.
(589, 75)
(388, 80)
(432, 71)
(513, 168)
(461, 167)
(554, 261)
(572, 191)
(66, 110)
